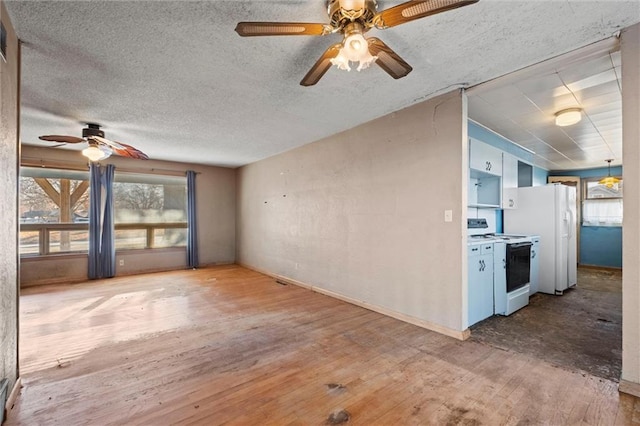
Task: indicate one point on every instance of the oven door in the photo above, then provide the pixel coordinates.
(518, 265)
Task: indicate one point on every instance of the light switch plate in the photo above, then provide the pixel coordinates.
(448, 215)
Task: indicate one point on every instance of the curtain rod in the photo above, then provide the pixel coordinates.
(69, 165)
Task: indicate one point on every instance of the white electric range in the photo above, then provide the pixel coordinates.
(511, 267)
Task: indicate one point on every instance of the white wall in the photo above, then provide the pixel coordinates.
(361, 214)
(9, 103)
(631, 227)
(216, 210)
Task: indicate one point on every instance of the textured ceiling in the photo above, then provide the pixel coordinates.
(174, 79)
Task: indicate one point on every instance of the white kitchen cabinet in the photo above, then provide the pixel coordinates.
(534, 268)
(480, 288)
(499, 278)
(485, 158)
(509, 181)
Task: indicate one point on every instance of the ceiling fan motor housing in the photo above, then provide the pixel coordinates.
(92, 130)
(340, 17)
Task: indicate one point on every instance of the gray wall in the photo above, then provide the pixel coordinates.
(9, 82)
(216, 209)
(631, 226)
(360, 215)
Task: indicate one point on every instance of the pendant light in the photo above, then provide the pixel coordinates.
(609, 181)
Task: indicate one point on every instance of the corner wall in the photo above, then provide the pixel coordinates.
(9, 104)
(360, 215)
(216, 210)
(630, 48)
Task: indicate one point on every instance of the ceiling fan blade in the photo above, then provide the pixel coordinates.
(321, 66)
(122, 149)
(63, 139)
(251, 29)
(388, 60)
(415, 9)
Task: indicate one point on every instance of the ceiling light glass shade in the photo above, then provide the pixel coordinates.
(609, 181)
(352, 4)
(355, 48)
(341, 62)
(568, 117)
(94, 153)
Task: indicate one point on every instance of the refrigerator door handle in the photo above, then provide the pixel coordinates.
(571, 224)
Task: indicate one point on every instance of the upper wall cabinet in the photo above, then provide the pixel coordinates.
(485, 158)
(509, 181)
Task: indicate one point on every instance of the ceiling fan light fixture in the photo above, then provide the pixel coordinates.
(569, 116)
(355, 48)
(94, 153)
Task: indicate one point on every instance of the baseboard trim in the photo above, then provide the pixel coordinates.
(601, 268)
(460, 335)
(631, 388)
(14, 394)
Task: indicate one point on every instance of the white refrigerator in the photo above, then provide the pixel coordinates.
(550, 212)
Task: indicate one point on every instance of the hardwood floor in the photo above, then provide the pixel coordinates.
(227, 345)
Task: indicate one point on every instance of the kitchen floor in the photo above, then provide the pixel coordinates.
(580, 330)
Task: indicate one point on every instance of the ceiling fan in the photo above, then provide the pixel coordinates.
(99, 147)
(352, 19)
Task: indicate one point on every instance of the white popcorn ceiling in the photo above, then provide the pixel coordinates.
(173, 78)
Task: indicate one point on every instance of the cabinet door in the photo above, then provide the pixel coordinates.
(499, 279)
(480, 288)
(509, 181)
(485, 158)
(534, 272)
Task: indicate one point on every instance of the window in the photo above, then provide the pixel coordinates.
(602, 205)
(150, 211)
(54, 206)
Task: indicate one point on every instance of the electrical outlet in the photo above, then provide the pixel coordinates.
(121, 262)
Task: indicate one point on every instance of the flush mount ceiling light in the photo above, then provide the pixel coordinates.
(609, 181)
(569, 116)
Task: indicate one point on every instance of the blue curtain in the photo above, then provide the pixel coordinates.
(95, 219)
(102, 255)
(192, 235)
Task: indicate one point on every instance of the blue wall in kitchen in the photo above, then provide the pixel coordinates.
(599, 245)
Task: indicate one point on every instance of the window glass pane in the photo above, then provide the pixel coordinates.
(54, 196)
(160, 200)
(170, 237)
(29, 242)
(597, 190)
(68, 241)
(131, 239)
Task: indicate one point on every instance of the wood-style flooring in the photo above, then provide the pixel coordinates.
(227, 345)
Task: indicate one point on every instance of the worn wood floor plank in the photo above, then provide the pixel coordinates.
(227, 345)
